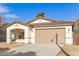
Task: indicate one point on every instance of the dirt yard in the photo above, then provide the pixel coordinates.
(72, 50)
(6, 45)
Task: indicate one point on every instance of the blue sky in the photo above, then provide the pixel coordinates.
(28, 11)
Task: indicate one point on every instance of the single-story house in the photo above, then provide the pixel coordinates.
(40, 31)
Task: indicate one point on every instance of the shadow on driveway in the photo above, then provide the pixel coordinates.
(31, 53)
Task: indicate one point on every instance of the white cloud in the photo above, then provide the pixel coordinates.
(10, 16)
(4, 9)
(5, 12)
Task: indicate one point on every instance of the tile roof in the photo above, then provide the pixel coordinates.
(41, 18)
(16, 22)
(56, 23)
(52, 23)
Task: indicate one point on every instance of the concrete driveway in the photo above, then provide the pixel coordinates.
(40, 50)
(35, 50)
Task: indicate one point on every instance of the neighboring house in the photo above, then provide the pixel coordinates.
(76, 32)
(76, 25)
(2, 30)
(40, 31)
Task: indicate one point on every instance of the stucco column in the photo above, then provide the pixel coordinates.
(69, 35)
(8, 34)
(33, 35)
(25, 36)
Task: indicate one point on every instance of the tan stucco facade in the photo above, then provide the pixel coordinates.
(61, 34)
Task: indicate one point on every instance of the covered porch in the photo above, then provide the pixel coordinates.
(17, 32)
(17, 35)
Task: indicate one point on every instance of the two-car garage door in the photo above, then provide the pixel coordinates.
(50, 36)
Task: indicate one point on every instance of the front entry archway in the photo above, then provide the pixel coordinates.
(17, 32)
(17, 35)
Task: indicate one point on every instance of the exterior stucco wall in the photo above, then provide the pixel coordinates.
(68, 33)
(19, 26)
(30, 33)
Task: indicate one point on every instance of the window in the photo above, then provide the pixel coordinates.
(21, 35)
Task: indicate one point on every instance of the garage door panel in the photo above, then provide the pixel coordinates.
(43, 36)
(48, 36)
(61, 36)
